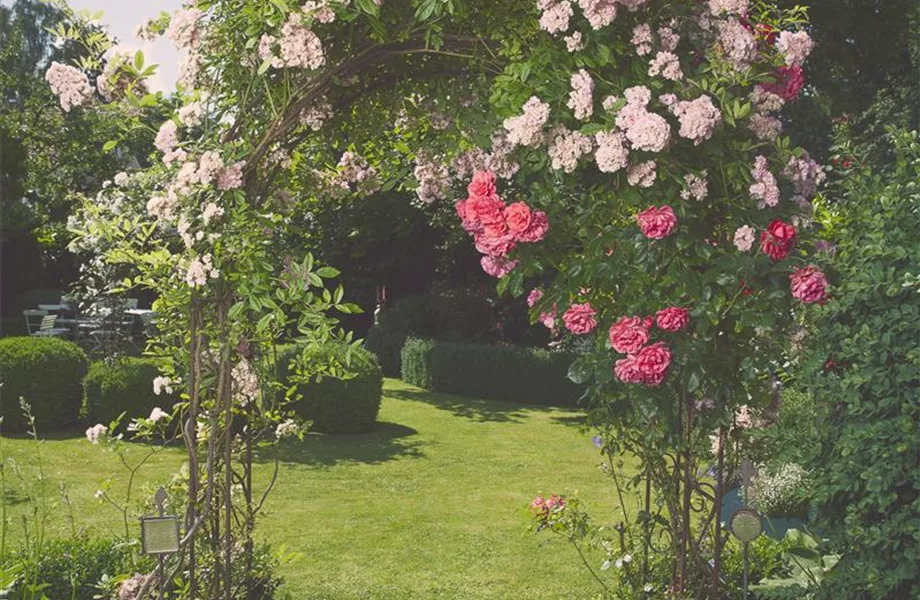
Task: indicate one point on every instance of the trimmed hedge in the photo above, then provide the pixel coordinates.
(456, 316)
(336, 405)
(122, 386)
(526, 375)
(47, 373)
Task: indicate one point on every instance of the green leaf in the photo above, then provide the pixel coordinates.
(265, 65)
(328, 272)
(109, 145)
(581, 370)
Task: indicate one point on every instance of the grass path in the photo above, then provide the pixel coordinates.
(431, 505)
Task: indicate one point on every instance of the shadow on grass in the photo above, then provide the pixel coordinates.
(388, 441)
(570, 420)
(474, 409)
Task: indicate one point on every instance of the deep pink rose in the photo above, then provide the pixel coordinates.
(809, 285)
(778, 239)
(672, 318)
(518, 217)
(627, 370)
(539, 225)
(653, 362)
(534, 296)
(494, 245)
(483, 184)
(628, 335)
(579, 319)
(497, 266)
(789, 82)
(657, 223)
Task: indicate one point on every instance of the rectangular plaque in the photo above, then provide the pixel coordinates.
(160, 535)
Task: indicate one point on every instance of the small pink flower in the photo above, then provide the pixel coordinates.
(579, 318)
(534, 296)
(657, 223)
(809, 285)
(95, 432)
(483, 184)
(628, 335)
(744, 238)
(497, 266)
(672, 318)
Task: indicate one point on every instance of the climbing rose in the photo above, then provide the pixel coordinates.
(777, 240)
(628, 335)
(518, 217)
(653, 362)
(672, 318)
(556, 15)
(809, 285)
(581, 99)
(627, 370)
(69, 84)
(642, 174)
(95, 432)
(795, 47)
(579, 318)
(657, 223)
(789, 82)
(483, 184)
(534, 296)
(497, 266)
(764, 187)
(744, 238)
(539, 225)
(698, 118)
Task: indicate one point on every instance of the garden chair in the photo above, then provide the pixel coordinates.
(34, 319)
(47, 328)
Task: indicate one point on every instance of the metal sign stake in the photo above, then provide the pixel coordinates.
(160, 538)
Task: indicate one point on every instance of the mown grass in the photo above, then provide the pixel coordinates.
(433, 504)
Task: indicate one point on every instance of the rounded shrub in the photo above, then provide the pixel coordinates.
(45, 372)
(336, 405)
(122, 386)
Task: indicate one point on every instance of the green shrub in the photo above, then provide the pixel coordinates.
(527, 375)
(72, 568)
(123, 385)
(453, 316)
(46, 372)
(864, 371)
(336, 405)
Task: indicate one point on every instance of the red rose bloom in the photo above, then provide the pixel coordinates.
(518, 217)
(579, 318)
(809, 285)
(539, 225)
(483, 184)
(627, 370)
(628, 335)
(653, 362)
(672, 318)
(657, 223)
(789, 82)
(777, 240)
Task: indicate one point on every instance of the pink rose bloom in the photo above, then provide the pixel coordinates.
(672, 318)
(789, 82)
(744, 238)
(548, 318)
(497, 266)
(809, 285)
(483, 184)
(628, 335)
(778, 239)
(518, 217)
(495, 246)
(653, 362)
(534, 296)
(657, 223)
(579, 318)
(627, 370)
(484, 209)
(539, 225)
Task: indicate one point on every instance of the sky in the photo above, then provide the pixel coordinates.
(122, 16)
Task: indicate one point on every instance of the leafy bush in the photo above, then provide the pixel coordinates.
(454, 316)
(46, 372)
(71, 568)
(865, 372)
(121, 386)
(527, 375)
(348, 405)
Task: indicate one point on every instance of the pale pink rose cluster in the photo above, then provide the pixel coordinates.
(695, 187)
(566, 147)
(612, 153)
(184, 29)
(191, 114)
(744, 238)
(298, 46)
(526, 129)
(645, 130)
(321, 10)
(766, 102)
(246, 387)
(69, 84)
(354, 169)
(764, 188)
(211, 212)
(574, 42)
(199, 270)
(806, 175)
(601, 13)
(642, 39)
(731, 7)
(500, 161)
(433, 179)
(765, 128)
(642, 174)
(469, 161)
(162, 384)
(162, 207)
(581, 97)
(555, 16)
(698, 118)
(666, 64)
(230, 177)
(94, 433)
(738, 44)
(167, 140)
(189, 69)
(795, 47)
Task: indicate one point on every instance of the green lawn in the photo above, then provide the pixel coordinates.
(430, 505)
